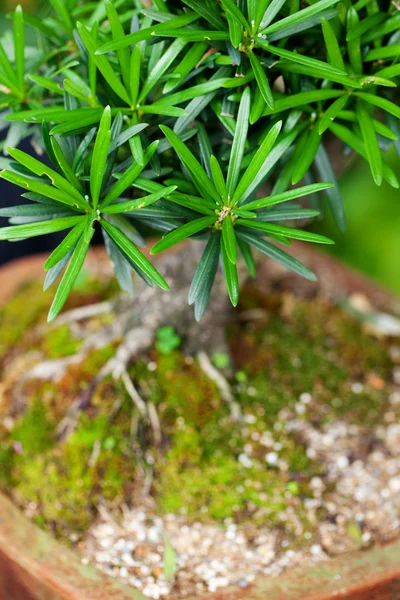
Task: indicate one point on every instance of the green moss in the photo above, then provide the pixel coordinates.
(322, 351)
(34, 431)
(27, 307)
(67, 481)
(59, 342)
(201, 468)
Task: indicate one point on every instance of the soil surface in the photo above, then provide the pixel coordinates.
(194, 472)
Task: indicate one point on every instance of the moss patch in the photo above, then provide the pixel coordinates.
(207, 466)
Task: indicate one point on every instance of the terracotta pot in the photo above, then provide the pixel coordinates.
(33, 566)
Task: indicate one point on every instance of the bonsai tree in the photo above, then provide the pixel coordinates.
(193, 119)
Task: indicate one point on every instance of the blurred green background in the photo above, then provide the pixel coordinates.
(372, 241)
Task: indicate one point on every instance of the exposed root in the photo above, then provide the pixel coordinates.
(84, 312)
(221, 383)
(134, 394)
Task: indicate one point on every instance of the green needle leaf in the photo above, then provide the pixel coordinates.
(239, 142)
(280, 230)
(231, 275)
(74, 268)
(190, 162)
(262, 80)
(99, 158)
(66, 245)
(20, 232)
(134, 254)
(307, 156)
(218, 178)
(277, 254)
(332, 45)
(129, 177)
(131, 205)
(300, 15)
(102, 64)
(229, 239)
(371, 143)
(299, 192)
(206, 268)
(331, 113)
(19, 46)
(182, 233)
(242, 191)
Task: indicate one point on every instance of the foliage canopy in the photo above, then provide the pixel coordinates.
(173, 117)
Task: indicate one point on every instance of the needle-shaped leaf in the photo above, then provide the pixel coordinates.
(231, 275)
(254, 167)
(195, 35)
(126, 135)
(323, 164)
(122, 267)
(71, 273)
(190, 162)
(247, 255)
(302, 99)
(182, 233)
(134, 254)
(131, 205)
(71, 195)
(270, 13)
(206, 12)
(99, 158)
(235, 30)
(158, 108)
(391, 24)
(19, 46)
(313, 63)
(354, 45)
(392, 51)
(102, 64)
(162, 65)
(186, 66)
(118, 33)
(262, 80)
(300, 15)
(288, 214)
(135, 70)
(229, 239)
(307, 156)
(218, 178)
(53, 274)
(193, 92)
(380, 102)
(236, 13)
(6, 67)
(332, 45)
(19, 232)
(365, 25)
(206, 267)
(62, 11)
(129, 177)
(66, 245)
(174, 24)
(299, 192)
(41, 188)
(64, 165)
(277, 254)
(331, 113)
(371, 143)
(239, 142)
(296, 234)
